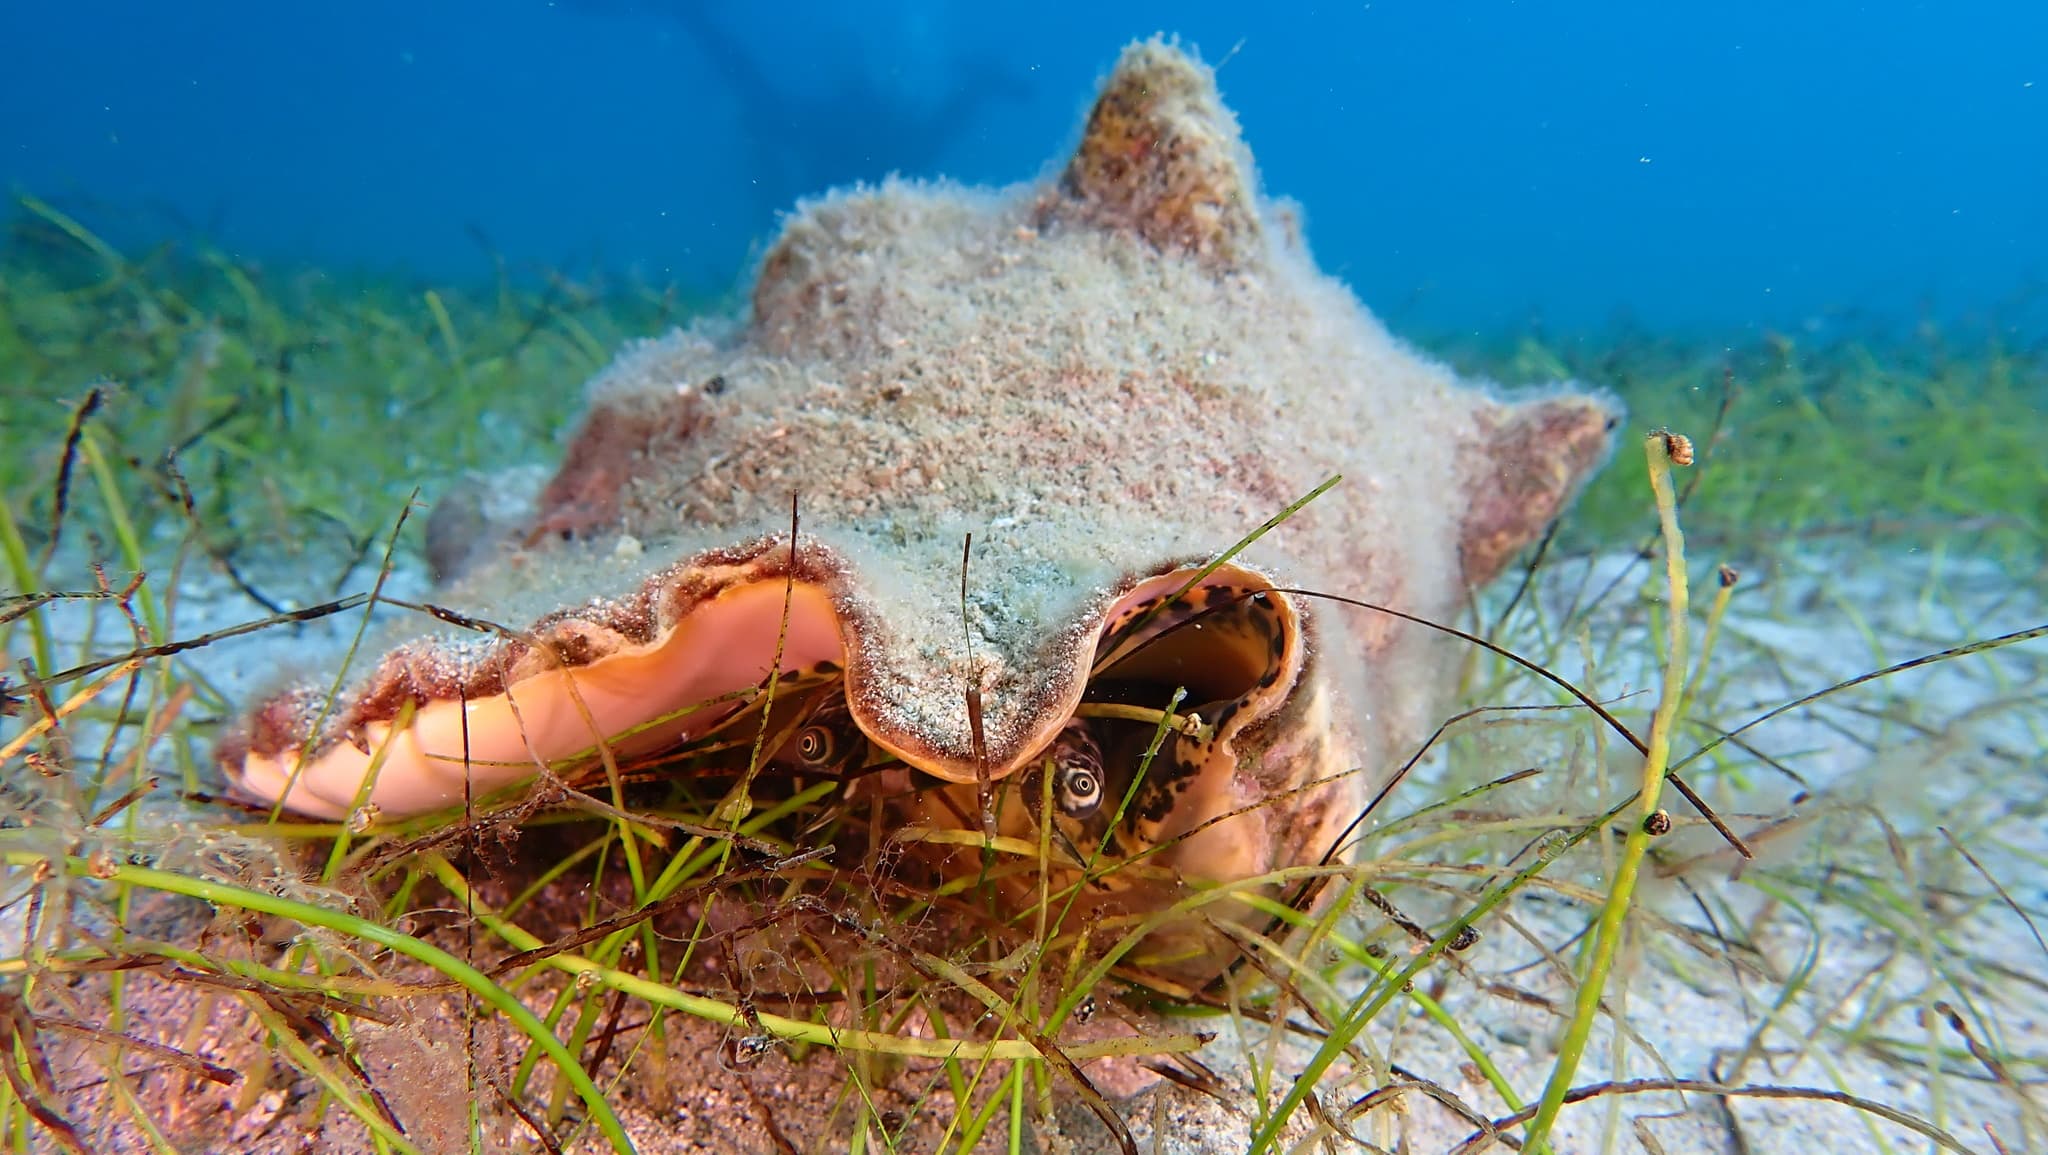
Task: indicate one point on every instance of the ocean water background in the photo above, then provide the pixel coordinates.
(1475, 167)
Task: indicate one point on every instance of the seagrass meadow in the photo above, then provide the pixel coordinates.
(1733, 842)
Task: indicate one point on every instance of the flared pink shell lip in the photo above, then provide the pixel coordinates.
(650, 672)
(551, 715)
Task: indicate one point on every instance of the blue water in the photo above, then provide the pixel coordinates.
(1465, 166)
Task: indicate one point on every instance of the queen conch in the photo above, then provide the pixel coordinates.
(1107, 378)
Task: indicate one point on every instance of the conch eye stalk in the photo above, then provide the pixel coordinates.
(1077, 771)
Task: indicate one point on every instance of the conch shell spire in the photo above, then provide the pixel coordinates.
(1162, 157)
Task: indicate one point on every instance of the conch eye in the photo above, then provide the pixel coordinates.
(817, 745)
(1080, 791)
(827, 742)
(1077, 771)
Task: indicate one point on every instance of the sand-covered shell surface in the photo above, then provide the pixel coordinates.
(1107, 378)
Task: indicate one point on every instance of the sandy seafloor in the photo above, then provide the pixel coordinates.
(1960, 744)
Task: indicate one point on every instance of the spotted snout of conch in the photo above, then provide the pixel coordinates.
(1218, 759)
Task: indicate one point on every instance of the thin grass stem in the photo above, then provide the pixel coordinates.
(1607, 935)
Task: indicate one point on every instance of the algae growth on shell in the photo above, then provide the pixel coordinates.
(1107, 378)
